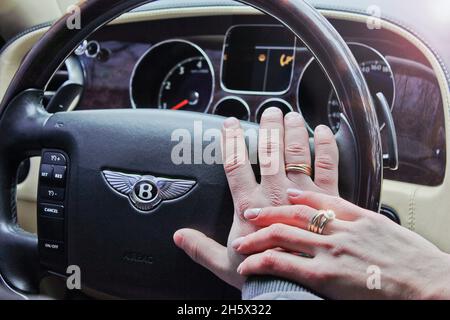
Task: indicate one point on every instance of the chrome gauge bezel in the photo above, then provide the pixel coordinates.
(157, 46)
(374, 51)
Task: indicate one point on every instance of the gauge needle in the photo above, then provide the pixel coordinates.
(180, 105)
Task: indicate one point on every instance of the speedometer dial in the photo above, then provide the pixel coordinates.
(317, 99)
(188, 86)
(379, 78)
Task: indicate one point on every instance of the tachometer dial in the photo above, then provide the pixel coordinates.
(173, 74)
(188, 86)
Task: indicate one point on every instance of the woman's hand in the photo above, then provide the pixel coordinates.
(361, 254)
(282, 141)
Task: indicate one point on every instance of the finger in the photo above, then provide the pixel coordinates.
(281, 265)
(206, 252)
(238, 170)
(296, 216)
(296, 141)
(271, 148)
(279, 236)
(327, 160)
(344, 210)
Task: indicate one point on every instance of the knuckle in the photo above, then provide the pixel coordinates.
(275, 196)
(195, 252)
(325, 162)
(276, 232)
(268, 260)
(241, 205)
(339, 204)
(296, 149)
(338, 251)
(336, 246)
(269, 147)
(325, 179)
(233, 164)
(299, 213)
(326, 244)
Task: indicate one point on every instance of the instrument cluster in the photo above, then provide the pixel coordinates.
(260, 66)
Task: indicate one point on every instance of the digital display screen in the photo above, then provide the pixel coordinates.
(258, 59)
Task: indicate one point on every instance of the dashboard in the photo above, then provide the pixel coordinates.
(241, 65)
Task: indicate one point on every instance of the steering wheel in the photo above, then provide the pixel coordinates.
(121, 250)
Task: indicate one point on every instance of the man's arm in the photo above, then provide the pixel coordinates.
(271, 288)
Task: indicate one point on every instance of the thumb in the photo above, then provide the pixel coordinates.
(206, 252)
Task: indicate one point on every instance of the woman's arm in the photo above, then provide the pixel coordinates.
(360, 255)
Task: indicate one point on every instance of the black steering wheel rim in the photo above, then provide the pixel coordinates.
(23, 118)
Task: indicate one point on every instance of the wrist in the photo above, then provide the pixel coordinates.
(438, 288)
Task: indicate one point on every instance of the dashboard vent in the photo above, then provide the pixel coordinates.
(64, 90)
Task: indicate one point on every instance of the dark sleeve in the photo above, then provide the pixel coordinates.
(271, 288)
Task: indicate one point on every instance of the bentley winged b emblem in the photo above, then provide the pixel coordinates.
(147, 192)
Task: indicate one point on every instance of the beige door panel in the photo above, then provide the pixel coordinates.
(19, 15)
(27, 198)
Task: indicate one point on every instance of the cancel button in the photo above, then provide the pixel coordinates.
(51, 210)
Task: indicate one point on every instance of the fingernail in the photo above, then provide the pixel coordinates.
(252, 214)
(237, 243)
(294, 193)
(272, 110)
(231, 123)
(322, 129)
(292, 116)
(239, 269)
(293, 119)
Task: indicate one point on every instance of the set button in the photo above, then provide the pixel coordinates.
(46, 172)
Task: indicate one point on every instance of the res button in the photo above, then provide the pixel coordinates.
(59, 175)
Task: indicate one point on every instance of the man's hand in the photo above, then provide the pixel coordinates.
(282, 141)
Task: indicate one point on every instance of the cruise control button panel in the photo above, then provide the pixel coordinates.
(52, 210)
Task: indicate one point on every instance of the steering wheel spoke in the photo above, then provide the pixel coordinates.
(21, 128)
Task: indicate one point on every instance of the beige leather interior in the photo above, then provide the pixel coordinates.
(424, 210)
(16, 16)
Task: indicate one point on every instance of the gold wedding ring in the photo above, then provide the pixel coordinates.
(299, 168)
(320, 221)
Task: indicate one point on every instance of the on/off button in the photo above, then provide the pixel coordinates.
(51, 210)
